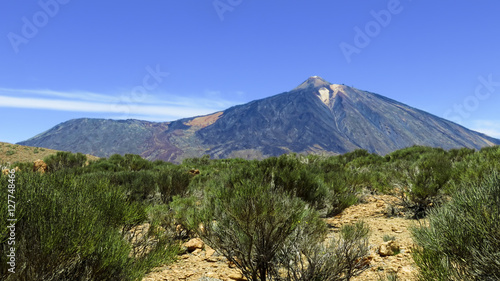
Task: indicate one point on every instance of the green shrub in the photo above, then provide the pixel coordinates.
(73, 228)
(10, 152)
(412, 153)
(163, 219)
(343, 188)
(104, 165)
(185, 210)
(379, 180)
(475, 166)
(117, 159)
(361, 158)
(252, 223)
(389, 277)
(64, 160)
(422, 184)
(341, 258)
(460, 154)
(173, 182)
(462, 241)
(388, 237)
(136, 162)
(117, 162)
(290, 175)
(256, 224)
(138, 186)
(23, 166)
(325, 184)
(197, 162)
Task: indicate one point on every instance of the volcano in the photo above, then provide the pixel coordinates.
(315, 117)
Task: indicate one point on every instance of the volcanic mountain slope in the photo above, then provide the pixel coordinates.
(315, 117)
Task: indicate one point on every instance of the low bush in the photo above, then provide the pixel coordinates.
(362, 158)
(137, 186)
(117, 162)
(325, 184)
(476, 166)
(388, 237)
(136, 162)
(196, 162)
(413, 153)
(64, 160)
(388, 277)
(462, 241)
(73, 228)
(24, 166)
(252, 224)
(290, 175)
(421, 186)
(261, 228)
(173, 182)
(340, 259)
(343, 188)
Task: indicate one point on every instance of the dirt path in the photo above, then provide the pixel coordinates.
(193, 266)
(207, 263)
(373, 213)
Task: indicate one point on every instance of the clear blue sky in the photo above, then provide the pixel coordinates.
(164, 60)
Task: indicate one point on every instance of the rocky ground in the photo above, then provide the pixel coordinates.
(382, 263)
(390, 257)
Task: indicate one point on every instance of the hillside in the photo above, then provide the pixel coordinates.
(11, 153)
(19, 153)
(315, 117)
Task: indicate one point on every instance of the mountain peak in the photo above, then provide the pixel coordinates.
(313, 82)
(294, 121)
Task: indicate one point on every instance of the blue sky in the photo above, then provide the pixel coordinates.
(164, 60)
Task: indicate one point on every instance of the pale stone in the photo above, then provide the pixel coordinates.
(193, 244)
(209, 252)
(388, 248)
(236, 276)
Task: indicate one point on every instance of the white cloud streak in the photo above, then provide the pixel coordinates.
(147, 107)
(73, 95)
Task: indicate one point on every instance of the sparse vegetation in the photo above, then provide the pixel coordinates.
(22, 153)
(389, 277)
(260, 225)
(387, 238)
(342, 258)
(265, 216)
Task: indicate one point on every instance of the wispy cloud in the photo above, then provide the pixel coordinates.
(488, 127)
(124, 106)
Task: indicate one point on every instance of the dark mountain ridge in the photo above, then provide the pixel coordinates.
(315, 117)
